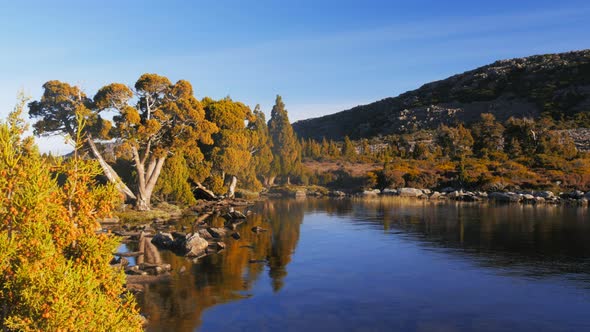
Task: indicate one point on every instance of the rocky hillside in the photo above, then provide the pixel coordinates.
(555, 84)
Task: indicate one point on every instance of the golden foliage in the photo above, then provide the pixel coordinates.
(54, 269)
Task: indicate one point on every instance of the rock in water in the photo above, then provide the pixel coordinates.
(217, 232)
(205, 234)
(195, 245)
(163, 240)
(219, 245)
(258, 229)
(234, 215)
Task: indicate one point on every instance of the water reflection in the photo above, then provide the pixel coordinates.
(523, 241)
(526, 239)
(229, 275)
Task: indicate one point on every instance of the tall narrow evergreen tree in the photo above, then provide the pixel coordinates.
(286, 148)
(260, 147)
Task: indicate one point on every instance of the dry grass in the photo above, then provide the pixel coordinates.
(354, 169)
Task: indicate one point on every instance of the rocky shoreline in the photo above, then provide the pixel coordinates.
(193, 242)
(576, 197)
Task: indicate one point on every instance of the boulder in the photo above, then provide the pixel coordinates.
(456, 195)
(435, 195)
(219, 245)
(217, 232)
(448, 190)
(235, 235)
(528, 198)
(576, 194)
(163, 240)
(427, 191)
(194, 245)
(469, 197)
(232, 215)
(388, 191)
(504, 197)
(544, 194)
(371, 192)
(336, 193)
(205, 234)
(482, 194)
(410, 192)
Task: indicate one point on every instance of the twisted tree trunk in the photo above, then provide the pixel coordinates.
(109, 172)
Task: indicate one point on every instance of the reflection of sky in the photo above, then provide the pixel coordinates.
(349, 275)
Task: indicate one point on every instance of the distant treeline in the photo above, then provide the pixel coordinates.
(488, 155)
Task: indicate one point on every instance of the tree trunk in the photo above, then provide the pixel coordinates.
(288, 180)
(109, 172)
(271, 181)
(147, 179)
(231, 190)
(209, 195)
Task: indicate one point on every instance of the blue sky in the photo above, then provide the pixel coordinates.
(321, 56)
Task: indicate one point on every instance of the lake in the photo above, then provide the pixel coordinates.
(385, 264)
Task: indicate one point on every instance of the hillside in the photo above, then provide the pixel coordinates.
(554, 84)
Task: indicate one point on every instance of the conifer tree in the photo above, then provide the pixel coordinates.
(348, 150)
(286, 149)
(260, 147)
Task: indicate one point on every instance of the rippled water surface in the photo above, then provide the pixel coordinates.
(386, 265)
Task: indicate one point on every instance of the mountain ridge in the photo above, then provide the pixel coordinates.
(556, 84)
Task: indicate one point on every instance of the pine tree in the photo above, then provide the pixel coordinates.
(348, 150)
(286, 149)
(260, 147)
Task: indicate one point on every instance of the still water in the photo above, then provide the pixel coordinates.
(386, 265)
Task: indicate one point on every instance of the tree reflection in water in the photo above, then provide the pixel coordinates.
(177, 305)
(526, 241)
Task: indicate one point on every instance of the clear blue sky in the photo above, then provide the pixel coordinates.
(321, 56)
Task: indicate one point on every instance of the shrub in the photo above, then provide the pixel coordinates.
(54, 269)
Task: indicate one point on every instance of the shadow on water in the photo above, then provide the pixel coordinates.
(514, 240)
